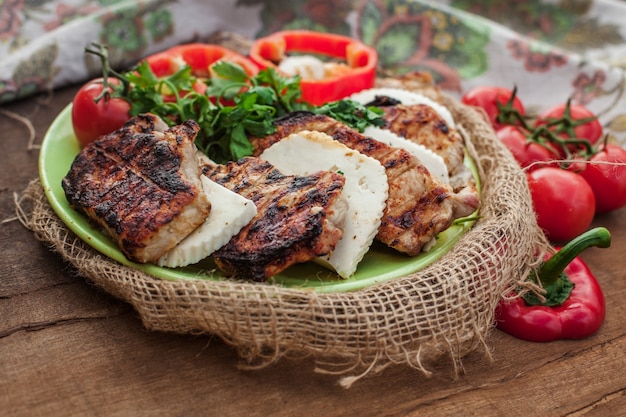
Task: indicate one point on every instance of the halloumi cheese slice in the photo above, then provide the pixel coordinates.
(366, 190)
(433, 162)
(405, 97)
(229, 213)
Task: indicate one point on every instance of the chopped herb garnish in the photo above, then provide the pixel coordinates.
(234, 106)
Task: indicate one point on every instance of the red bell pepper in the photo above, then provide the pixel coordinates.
(573, 306)
(200, 57)
(361, 62)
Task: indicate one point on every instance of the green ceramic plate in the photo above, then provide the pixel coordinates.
(58, 150)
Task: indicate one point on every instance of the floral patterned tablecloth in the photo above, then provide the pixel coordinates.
(550, 50)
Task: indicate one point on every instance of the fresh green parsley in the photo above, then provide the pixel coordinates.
(234, 107)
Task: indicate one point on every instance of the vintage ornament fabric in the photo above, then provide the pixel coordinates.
(549, 50)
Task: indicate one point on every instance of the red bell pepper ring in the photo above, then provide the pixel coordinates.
(200, 57)
(574, 305)
(361, 60)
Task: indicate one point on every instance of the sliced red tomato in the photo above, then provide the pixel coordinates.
(361, 62)
(606, 174)
(563, 201)
(499, 104)
(90, 120)
(525, 151)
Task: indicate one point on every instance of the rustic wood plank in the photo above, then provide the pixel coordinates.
(66, 348)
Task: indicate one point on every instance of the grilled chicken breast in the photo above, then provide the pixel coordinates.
(299, 218)
(229, 213)
(142, 185)
(419, 81)
(365, 190)
(419, 206)
(421, 124)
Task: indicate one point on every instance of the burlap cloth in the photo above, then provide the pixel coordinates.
(444, 310)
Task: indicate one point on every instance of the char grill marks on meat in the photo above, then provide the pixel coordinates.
(142, 185)
(418, 81)
(423, 125)
(298, 217)
(418, 207)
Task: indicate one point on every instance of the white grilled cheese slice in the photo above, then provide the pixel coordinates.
(229, 213)
(405, 97)
(366, 190)
(433, 162)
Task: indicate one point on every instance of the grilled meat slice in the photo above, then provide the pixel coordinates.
(142, 185)
(421, 124)
(418, 81)
(299, 218)
(365, 190)
(419, 206)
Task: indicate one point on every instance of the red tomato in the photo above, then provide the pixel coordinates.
(563, 201)
(590, 130)
(90, 120)
(488, 99)
(524, 151)
(607, 178)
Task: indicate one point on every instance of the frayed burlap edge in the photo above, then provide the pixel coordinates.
(444, 310)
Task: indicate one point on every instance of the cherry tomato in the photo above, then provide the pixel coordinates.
(524, 151)
(563, 201)
(488, 98)
(607, 178)
(90, 120)
(574, 125)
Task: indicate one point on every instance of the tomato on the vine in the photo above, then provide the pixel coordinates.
(499, 103)
(90, 120)
(525, 151)
(564, 202)
(606, 174)
(571, 121)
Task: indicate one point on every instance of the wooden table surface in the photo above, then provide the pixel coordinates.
(67, 348)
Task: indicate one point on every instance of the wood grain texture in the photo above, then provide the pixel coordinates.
(67, 348)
